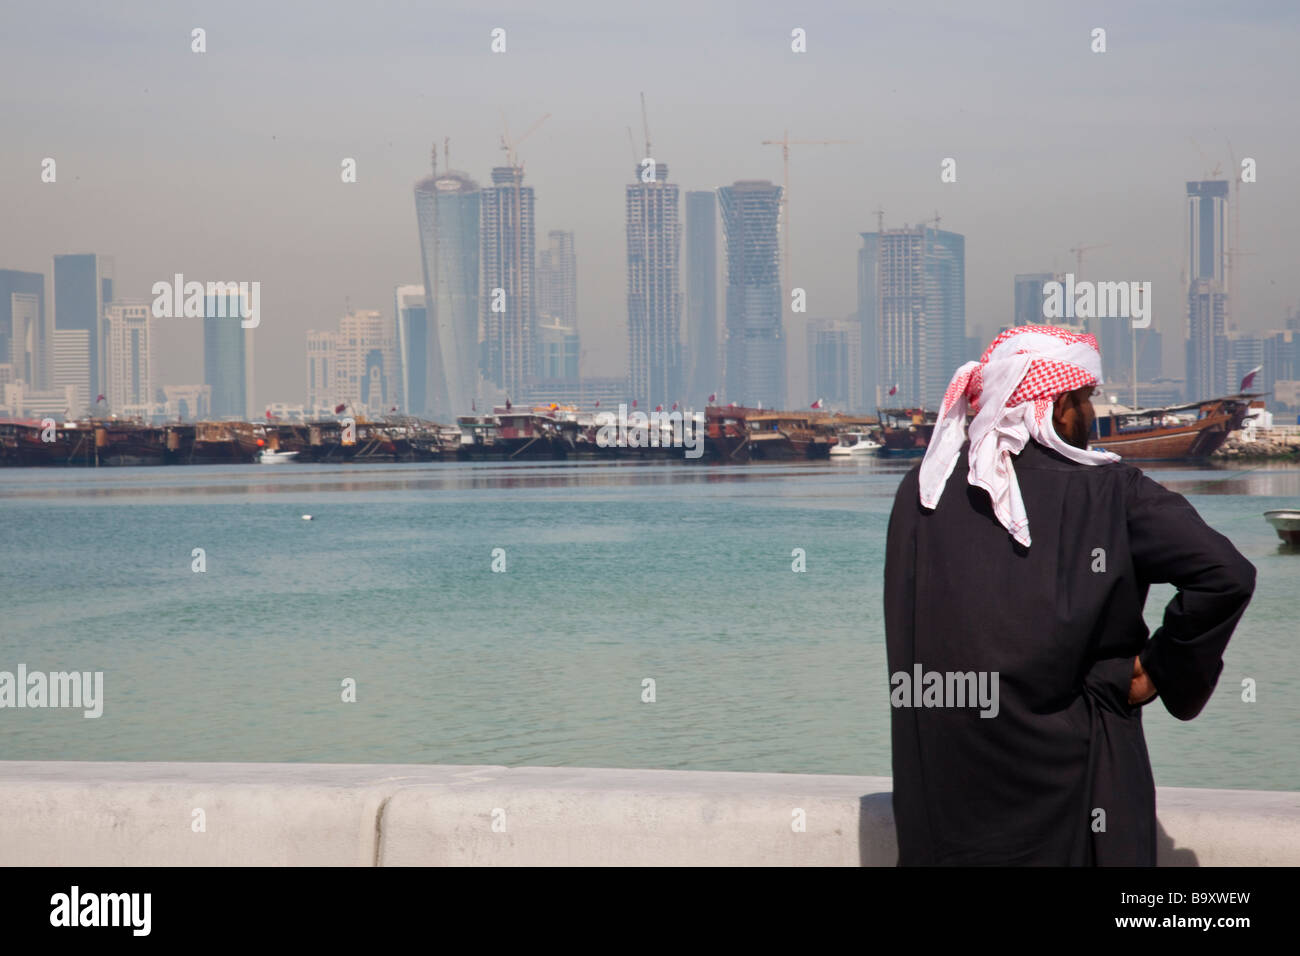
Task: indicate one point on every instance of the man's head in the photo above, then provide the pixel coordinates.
(1073, 415)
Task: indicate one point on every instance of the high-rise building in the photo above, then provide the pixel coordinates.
(834, 363)
(755, 353)
(366, 363)
(920, 311)
(412, 348)
(130, 358)
(654, 298)
(1029, 298)
(23, 337)
(448, 209)
(557, 281)
(83, 285)
(869, 320)
(72, 368)
(507, 303)
(1207, 296)
(557, 352)
(704, 370)
(226, 349)
(323, 393)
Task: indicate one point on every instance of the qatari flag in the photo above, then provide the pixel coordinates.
(339, 408)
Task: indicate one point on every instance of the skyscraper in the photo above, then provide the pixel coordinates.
(226, 344)
(869, 321)
(83, 285)
(557, 280)
(413, 348)
(1028, 309)
(447, 209)
(130, 358)
(322, 372)
(834, 359)
(704, 371)
(921, 310)
(507, 303)
(1207, 297)
(755, 336)
(71, 368)
(654, 298)
(22, 326)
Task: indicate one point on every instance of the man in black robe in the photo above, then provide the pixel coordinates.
(1053, 769)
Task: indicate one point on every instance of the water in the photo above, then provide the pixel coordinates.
(616, 573)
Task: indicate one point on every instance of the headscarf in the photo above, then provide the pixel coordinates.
(1011, 389)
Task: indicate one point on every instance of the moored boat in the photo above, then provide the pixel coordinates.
(1286, 522)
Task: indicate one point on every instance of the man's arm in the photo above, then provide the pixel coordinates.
(1170, 543)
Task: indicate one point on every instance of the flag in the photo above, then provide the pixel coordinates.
(268, 414)
(893, 389)
(674, 406)
(507, 404)
(634, 403)
(99, 399)
(816, 404)
(598, 403)
(1249, 378)
(339, 408)
(659, 408)
(713, 396)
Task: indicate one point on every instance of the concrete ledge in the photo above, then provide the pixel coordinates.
(142, 814)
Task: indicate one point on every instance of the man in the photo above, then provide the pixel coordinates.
(1050, 767)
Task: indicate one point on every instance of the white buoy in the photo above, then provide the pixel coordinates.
(306, 517)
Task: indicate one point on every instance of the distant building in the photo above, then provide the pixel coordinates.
(582, 394)
(869, 320)
(83, 285)
(448, 209)
(1207, 296)
(703, 363)
(920, 311)
(557, 351)
(557, 281)
(366, 363)
(1029, 298)
(21, 401)
(72, 368)
(227, 349)
(834, 363)
(656, 374)
(23, 336)
(412, 349)
(508, 287)
(188, 403)
(130, 358)
(322, 371)
(756, 348)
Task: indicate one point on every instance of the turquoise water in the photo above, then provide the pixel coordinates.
(615, 573)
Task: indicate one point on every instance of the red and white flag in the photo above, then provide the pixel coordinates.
(1249, 379)
(713, 396)
(893, 389)
(816, 404)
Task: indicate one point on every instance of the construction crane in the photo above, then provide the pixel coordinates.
(510, 146)
(1078, 252)
(645, 127)
(785, 142)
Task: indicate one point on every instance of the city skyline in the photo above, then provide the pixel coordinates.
(1024, 194)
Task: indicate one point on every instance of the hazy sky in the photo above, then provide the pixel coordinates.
(225, 165)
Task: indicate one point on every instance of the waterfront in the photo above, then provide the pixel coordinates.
(615, 573)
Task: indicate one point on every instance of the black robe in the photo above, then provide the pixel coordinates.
(1023, 787)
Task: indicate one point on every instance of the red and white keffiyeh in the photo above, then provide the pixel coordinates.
(1011, 389)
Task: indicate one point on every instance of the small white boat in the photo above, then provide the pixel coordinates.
(854, 443)
(271, 456)
(1286, 522)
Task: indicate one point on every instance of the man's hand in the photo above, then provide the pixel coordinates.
(1140, 689)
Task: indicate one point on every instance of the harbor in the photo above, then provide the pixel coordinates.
(1220, 428)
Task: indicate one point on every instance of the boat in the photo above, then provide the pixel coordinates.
(1286, 522)
(906, 431)
(1177, 432)
(272, 456)
(861, 443)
